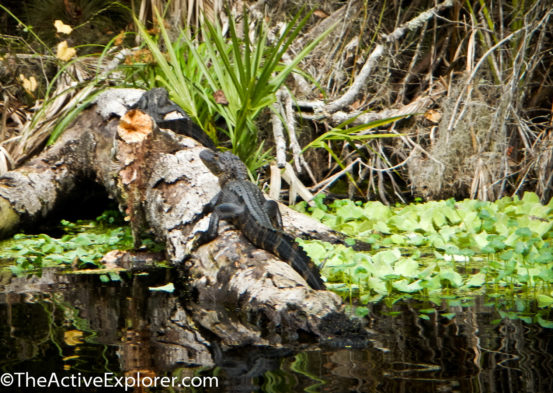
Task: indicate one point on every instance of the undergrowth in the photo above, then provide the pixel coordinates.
(223, 83)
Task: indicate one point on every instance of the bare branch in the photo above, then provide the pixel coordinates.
(278, 133)
(367, 69)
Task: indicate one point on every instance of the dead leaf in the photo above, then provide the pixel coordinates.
(62, 27)
(220, 97)
(433, 115)
(140, 56)
(119, 38)
(30, 84)
(355, 105)
(65, 53)
(320, 14)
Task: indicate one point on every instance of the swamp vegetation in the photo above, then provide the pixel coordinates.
(422, 128)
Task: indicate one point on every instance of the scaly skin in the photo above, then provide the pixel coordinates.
(243, 204)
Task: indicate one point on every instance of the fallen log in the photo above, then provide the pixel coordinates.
(240, 295)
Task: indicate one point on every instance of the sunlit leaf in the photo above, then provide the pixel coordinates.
(405, 286)
(170, 288)
(544, 300)
(65, 52)
(387, 257)
(406, 268)
(545, 323)
(73, 337)
(62, 27)
(476, 280)
(454, 278)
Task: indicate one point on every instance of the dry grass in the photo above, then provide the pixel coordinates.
(478, 75)
(485, 133)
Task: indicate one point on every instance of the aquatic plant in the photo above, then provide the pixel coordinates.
(440, 250)
(84, 244)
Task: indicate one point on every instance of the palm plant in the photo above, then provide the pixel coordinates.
(230, 79)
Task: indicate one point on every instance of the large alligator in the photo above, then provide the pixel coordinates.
(239, 201)
(243, 204)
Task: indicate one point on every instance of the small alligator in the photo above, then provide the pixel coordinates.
(243, 204)
(157, 104)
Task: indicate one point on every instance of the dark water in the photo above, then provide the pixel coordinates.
(79, 327)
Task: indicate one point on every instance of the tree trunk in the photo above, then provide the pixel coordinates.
(240, 294)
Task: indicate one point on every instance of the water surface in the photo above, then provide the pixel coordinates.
(78, 325)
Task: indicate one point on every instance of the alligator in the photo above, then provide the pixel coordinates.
(157, 104)
(243, 204)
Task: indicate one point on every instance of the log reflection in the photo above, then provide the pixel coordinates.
(75, 323)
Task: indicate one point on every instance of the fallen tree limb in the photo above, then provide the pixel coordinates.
(158, 178)
(419, 105)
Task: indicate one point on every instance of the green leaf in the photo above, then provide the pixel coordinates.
(405, 286)
(315, 250)
(452, 277)
(350, 212)
(378, 285)
(387, 257)
(545, 323)
(104, 278)
(361, 311)
(406, 268)
(523, 232)
(544, 300)
(476, 280)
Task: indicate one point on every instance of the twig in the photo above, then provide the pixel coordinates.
(409, 74)
(275, 185)
(390, 168)
(329, 180)
(299, 160)
(419, 105)
(296, 186)
(290, 124)
(278, 132)
(454, 120)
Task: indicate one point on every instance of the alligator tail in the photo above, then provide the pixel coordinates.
(286, 248)
(292, 252)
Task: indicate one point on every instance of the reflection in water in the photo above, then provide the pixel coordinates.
(76, 324)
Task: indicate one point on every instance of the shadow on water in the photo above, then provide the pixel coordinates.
(77, 325)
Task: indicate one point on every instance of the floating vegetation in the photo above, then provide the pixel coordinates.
(439, 252)
(83, 244)
(443, 251)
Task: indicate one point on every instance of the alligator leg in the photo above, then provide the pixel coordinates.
(211, 232)
(228, 211)
(271, 207)
(185, 126)
(225, 211)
